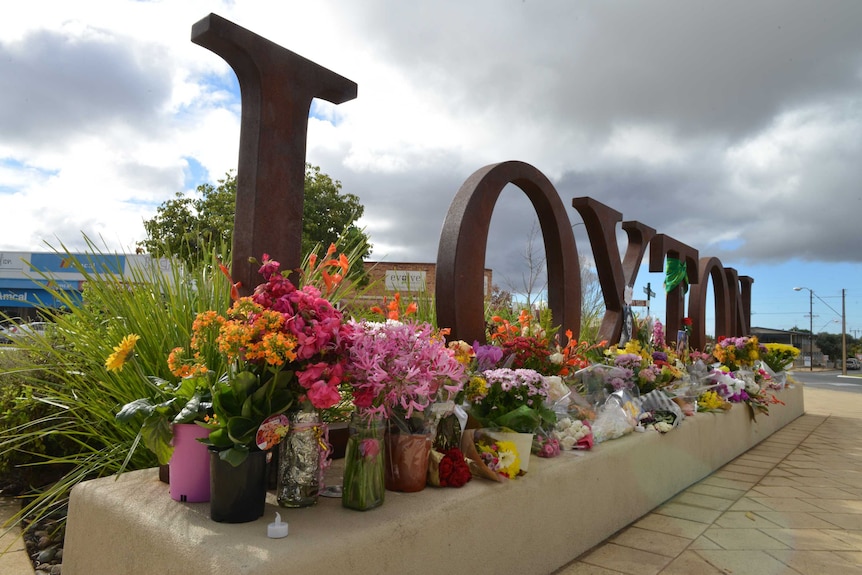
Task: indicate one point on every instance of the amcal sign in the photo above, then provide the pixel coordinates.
(277, 88)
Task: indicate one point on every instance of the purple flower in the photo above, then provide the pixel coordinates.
(487, 356)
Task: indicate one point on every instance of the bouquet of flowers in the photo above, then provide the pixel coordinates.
(572, 433)
(281, 349)
(736, 352)
(492, 458)
(742, 386)
(711, 401)
(448, 468)
(399, 368)
(510, 398)
(778, 356)
(528, 346)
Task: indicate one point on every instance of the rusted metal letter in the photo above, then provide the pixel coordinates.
(614, 275)
(740, 302)
(277, 87)
(662, 246)
(709, 267)
(464, 241)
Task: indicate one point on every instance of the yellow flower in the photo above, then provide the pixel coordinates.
(510, 461)
(117, 360)
(477, 388)
(710, 400)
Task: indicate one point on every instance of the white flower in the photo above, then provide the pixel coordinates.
(567, 442)
(507, 458)
(663, 426)
(569, 431)
(557, 358)
(557, 390)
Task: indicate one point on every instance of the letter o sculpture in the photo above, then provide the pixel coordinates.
(460, 301)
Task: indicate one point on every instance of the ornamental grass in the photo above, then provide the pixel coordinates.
(61, 420)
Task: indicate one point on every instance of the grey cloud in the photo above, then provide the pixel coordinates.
(56, 86)
(722, 68)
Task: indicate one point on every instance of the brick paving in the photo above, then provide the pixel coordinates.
(790, 505)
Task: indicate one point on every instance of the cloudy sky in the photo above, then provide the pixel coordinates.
(735, 127)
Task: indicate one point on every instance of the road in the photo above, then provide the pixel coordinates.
(830, 379)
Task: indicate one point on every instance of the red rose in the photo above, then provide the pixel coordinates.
(453, 470)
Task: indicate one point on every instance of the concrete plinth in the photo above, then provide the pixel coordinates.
(535, 524)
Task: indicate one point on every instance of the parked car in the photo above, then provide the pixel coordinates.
(853, 363)
(5, 335)
(24, 330)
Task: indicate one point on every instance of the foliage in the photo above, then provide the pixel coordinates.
(592, 303)
(19, 408)
(500, 303)
(188, 226)
(65, 375)
(829, 344)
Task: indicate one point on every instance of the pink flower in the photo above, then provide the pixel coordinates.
(369, 448)
(323, 396)
(401, 366)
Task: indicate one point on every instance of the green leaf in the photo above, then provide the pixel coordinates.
(186, 388)
(133, 408)
(242, 429)
(190, 410)
(244, 384)
(219, 438)
(235, 455)
(157, 435)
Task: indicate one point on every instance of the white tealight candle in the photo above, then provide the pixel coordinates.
(277, 529)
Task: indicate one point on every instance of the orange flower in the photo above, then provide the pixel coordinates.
(234, 287)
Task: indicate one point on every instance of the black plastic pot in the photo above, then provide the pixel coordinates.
(237, 494)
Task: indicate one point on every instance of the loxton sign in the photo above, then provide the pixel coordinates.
(277, 87)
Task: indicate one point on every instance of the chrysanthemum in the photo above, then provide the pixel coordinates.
(117, 359)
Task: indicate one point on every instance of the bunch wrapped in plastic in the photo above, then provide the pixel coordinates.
(663, 414)
(617, 417)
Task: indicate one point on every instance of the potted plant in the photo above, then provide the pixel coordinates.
(169, 427)
(283, 361)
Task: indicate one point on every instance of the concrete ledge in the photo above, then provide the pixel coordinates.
(536, 524)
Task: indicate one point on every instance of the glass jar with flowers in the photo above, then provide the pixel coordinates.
(363, 483)
(399, 370)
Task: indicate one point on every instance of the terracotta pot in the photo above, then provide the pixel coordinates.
(407, 461)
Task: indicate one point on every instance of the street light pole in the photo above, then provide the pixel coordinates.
(810, 324)
(843, 334)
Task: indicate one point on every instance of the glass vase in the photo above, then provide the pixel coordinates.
(301, 457)
(363, 486)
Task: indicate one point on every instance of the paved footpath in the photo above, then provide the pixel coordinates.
(790, 505)
(13, 554)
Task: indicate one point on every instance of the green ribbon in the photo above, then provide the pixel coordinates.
(675, 274)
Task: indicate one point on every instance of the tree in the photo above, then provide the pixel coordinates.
(534, 279)
(534, 283)
(829, 344)
(188, 226)
(592, 303)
